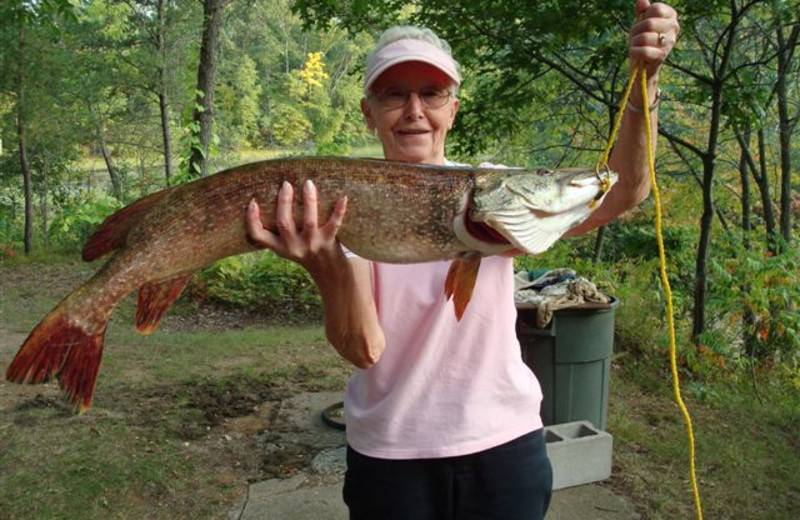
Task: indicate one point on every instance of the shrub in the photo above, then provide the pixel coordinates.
(263, 282)
(78, 220)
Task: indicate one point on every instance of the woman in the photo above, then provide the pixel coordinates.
(442, 416)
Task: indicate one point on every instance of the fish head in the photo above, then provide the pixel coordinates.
(534, 208)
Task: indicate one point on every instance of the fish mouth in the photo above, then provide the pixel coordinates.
(484, 232)
(478, 236)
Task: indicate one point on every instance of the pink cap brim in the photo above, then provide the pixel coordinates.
(401, 51)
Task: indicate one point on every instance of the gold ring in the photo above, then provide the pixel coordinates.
(661, 39)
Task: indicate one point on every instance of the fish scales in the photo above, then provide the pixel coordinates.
(396, 213)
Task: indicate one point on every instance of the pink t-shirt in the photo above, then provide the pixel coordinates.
(442, 388)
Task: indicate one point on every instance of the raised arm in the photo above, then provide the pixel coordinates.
(650, 41)
(351, 320)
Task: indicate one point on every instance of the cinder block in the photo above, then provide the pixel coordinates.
(579, 453)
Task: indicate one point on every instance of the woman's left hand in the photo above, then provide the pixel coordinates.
(653, 35)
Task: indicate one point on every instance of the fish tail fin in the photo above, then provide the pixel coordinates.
(64, 348)
(460, 282)
(68, 343)
(154, 300)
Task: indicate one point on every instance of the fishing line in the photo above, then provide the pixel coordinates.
(641, 73)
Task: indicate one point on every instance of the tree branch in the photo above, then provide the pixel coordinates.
(674, 139)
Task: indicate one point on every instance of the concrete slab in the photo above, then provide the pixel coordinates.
(589, 502)
(305, 497)
(301, 497)
(316, 492)
(300, 421)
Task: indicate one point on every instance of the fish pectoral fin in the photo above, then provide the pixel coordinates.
(461, 281)
(154, 300)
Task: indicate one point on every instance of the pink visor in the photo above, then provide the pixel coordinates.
(409, 49)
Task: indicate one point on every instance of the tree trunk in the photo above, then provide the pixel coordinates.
(748, 316)
(43, 200)
(598, 243)
(116, 182)
(762, 181)
(785, 134)
(745, 180)
(163, 102)
(166, 135)
(766, 199)
(206, 76)
(701, 265)
(23, 151)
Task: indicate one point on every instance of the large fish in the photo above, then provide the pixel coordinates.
(397, 213)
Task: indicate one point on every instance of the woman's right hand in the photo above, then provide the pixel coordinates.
(311, 245)
(351, 320)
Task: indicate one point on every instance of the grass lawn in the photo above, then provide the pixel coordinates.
(181, 417)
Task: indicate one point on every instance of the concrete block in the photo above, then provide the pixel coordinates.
(579, 453)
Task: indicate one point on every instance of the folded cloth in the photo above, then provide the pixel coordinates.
(550, 277)
(560, 295)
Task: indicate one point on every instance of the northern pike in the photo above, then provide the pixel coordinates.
(397, 213)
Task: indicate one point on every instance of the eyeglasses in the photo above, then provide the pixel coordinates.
(394, 98)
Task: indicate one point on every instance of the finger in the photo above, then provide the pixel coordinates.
(654, 25)
(284, 218)
(657, 10)
(257, 234)
(649, 39)
(309, 207)
(641, 7)
(337, 217)
(648, 55)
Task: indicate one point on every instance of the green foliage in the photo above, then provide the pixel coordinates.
(260, 281)
(754, 298)
(191, 142)
(237, 102)
(315, 107)
(77, 221)
(289, 125)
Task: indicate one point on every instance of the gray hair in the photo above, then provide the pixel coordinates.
(412, 32)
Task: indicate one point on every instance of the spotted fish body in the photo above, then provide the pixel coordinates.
(396, 213)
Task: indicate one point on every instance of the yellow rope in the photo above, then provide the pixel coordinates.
(642, 74)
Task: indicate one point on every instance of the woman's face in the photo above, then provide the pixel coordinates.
(413, 132)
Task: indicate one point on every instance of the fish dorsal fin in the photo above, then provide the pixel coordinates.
(154, 300)
(532, 230)
(461, 281)
(114, 230)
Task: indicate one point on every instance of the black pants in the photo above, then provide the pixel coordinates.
(512, 481)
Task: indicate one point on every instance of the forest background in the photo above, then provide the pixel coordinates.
(104, 101)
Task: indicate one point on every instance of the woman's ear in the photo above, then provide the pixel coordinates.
(453, 112)
(366, 110)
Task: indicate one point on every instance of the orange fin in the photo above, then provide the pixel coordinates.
(154, 300)
(113, 232)
(461, 281)
(59, 348)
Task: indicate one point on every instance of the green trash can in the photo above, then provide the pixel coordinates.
(571, 358)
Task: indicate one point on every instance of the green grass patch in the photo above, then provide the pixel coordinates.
(746, 452)
(58, 466)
